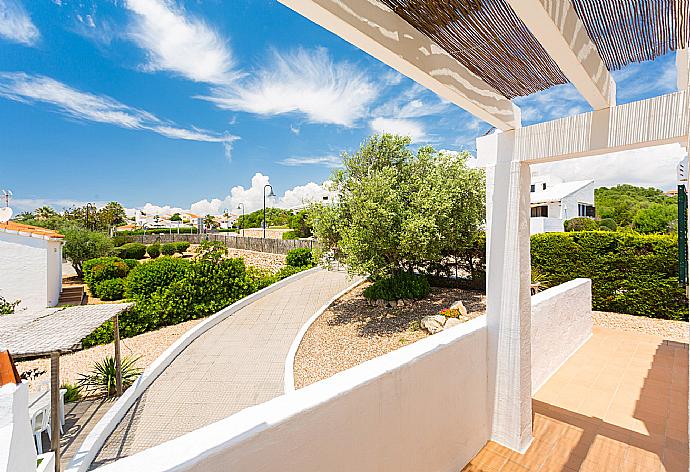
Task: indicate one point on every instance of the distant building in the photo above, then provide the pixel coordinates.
(553, 201)
(31, 262)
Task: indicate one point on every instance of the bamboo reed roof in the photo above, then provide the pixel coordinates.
(488, 38)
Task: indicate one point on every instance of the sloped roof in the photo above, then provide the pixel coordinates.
(557, 192)
(29, 231)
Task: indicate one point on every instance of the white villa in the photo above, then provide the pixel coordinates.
(553, 201)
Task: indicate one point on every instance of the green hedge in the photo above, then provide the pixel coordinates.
(113, 289)
(102, 269)
(300, 257)
(631, 273)
(131, 251)
(401, 285)
(168, 249)
(153, 250)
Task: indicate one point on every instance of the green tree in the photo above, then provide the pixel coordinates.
(210, 222)
(112, 214)
(622, 202)
(656, 218)
(399, 210)
(82, 244)
(274, 217)
(176, 217)
(299, 223)
(44, 213)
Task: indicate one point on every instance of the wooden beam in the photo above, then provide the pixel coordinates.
(561, 32)
(118, 361)
(683, 68)
(660, 120)
(380, 32)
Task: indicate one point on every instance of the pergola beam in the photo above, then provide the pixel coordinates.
(380, 32)
(660, 120)
(561, 32)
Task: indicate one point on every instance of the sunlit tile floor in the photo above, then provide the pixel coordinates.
(619, 404)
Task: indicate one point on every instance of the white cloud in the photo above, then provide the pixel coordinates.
(15, 23)
(327, 161)
(556, 102)
(59, 204)
(649, 167)
(411, 128)
(411, 104)
(303, 81)
(26, 88)
(180, 43)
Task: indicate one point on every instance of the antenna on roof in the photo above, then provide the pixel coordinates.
(6, 212)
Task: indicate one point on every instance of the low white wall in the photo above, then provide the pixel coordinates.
(96, 438)
(545, 225)
(420, 408)
(54, 272)
(24, 271)
(561, 324)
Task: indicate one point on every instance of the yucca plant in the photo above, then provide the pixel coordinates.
(102, 378)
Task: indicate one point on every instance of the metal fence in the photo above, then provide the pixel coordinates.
(274, 246)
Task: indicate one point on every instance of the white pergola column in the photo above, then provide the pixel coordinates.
(508, 290)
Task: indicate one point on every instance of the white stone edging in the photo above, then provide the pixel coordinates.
(289, 374)
(107, 424)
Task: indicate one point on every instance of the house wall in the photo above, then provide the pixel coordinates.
(54, 271)
(561, 324)
(569, 203)
(423, 407)
(24, 270)
(545, 225)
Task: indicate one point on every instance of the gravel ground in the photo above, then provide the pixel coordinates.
(667, 329)
(148, 345)
(351, 332)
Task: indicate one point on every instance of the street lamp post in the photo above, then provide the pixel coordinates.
(238, 207)
(270, 195)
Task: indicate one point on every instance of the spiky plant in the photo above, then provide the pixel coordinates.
(102, 378)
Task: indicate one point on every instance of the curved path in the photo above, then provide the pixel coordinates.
(234, 365)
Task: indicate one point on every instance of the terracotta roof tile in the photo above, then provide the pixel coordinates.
(12, 226)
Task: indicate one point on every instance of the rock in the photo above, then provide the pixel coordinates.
(450, 322)
(381, 302)
(459, 306)
(401, 303)
(434, 323)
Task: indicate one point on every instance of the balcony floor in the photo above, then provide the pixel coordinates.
(618, 404)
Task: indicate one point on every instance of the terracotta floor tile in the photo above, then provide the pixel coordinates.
(511, 466)
(488, 461)
(535, 456)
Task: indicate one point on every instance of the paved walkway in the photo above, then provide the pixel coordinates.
(236, 364)
(620, 404)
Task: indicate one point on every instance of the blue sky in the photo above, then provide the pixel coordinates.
(172, 103)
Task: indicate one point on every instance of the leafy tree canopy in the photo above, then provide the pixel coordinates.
(622, 203)
(274, 217)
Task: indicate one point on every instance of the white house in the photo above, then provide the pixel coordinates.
(30, 265)
(553, 201)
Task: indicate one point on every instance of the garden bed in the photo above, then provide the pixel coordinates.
(351, 331)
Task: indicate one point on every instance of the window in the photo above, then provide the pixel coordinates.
(543, 186)
(585, 210)
(540, 211)
(531, 188)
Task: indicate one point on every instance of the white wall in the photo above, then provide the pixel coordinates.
(54, 271)
(24, 270)
(545, 225)
(17, 450)
(420, 408)
(561, 324)
(569, 203)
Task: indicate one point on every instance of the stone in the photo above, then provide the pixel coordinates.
(458, 305)
(450, 322)
(401, 303)
(433, 323)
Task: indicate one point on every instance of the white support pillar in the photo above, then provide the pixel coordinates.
(508, 290)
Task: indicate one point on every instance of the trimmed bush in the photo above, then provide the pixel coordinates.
(146, 279)
(181, 246)
(119, 240)
(131, 263)
(300, 257)
(132, 251)
(168, 249)
(608, 224)
(631, 273)
(290, 235)
(287, 271)
(401, 285)
(113, 289)
(154, 250)
(101, 269)
(580, 224)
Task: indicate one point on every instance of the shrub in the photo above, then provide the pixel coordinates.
(7, 308)
(181, 246)
(395, 287)
(82, 245)
(300, 257)
(290, 235)
(101, 269)
(102, 378)
(608, 224)
(154, 250)
(108, 290)
(131, 263)
(580, 224)
(73, 392)
(289, 270)
(119, 240)
(146, 279)
(168, 249)
(133, 251)
(631, 273)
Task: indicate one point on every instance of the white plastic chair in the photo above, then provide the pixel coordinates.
(40, 421)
